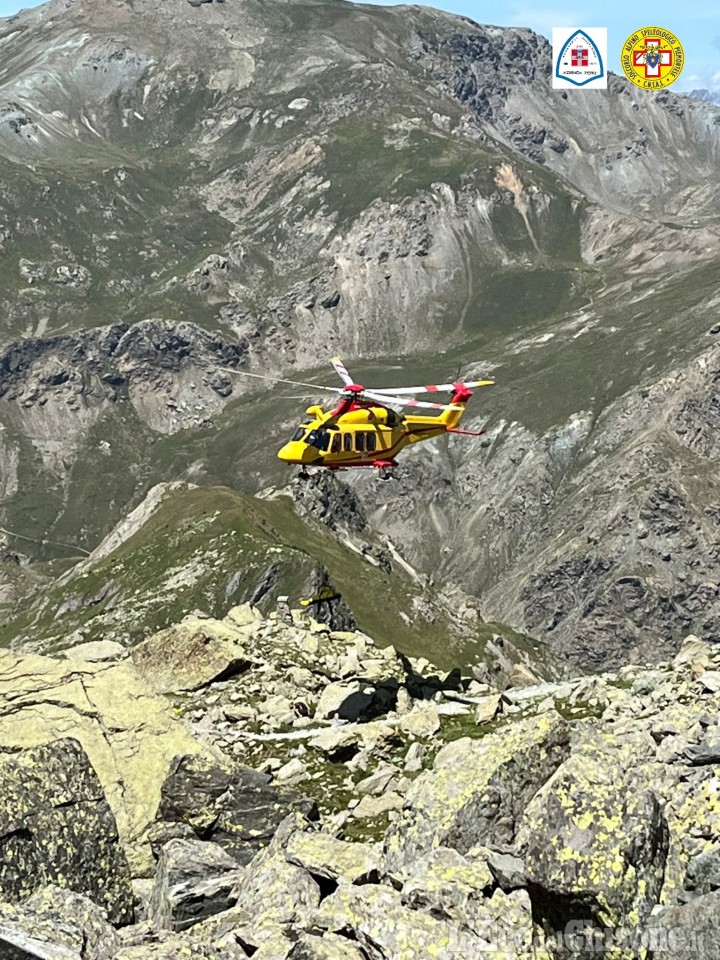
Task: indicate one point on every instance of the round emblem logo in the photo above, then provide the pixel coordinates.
(652, 58)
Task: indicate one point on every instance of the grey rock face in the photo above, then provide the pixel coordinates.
(703, 874)
(194, 880)
(237, 807)
(56, 924)
(508, 870)
(56, 827)
(690, 932)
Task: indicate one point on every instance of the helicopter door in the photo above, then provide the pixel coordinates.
(336, 441)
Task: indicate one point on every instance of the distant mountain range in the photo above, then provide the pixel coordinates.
(709, 96)
(188, 191)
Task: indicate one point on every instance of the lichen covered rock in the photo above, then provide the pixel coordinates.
(56, 828)
(194, 880)
(595, 843)
(376, 917)
(477, 790)
(56, 924)
(326, 856)
(129, 733)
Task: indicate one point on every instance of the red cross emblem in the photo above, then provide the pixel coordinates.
(580, 57)
(653, 58)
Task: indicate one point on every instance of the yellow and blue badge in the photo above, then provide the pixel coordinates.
(652, 58)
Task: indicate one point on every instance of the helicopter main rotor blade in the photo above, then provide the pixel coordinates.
(387, 398)
(433, 388)
(342, 371)
(294, 383)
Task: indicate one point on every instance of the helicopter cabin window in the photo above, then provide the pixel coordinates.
(347, 442)
(360, 441)
(319, 439)
(336, 443)
(370, 439)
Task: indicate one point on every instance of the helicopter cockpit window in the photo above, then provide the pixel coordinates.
(299, 434)
(319, 439)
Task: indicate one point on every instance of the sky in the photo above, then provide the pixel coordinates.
(695, 23)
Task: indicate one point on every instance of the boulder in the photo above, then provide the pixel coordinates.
(370, 807)
(508, 870)
(444, 883)
(702, 754)
(275, 894)
(194, 880)
(339, 744)
(326, 946)
(332, 698)
(506, 920)
(323, 855)
(235, 806)
(690, 932)
(487, 708)
(95, 650)
(129, 734)
(56, 924)
(477, 790)
(378, 920)
(692, 651)
(178, 948)
(693, 816)
(422, 721)
(414, 757)
(192, 654)
(385, 777)
(56, 828)
(292, 771)
(595, 845)
(710, 681)
(703, 874)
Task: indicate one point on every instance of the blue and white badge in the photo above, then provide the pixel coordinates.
(579, 58)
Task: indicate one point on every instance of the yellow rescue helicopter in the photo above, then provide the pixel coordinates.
(366, 428)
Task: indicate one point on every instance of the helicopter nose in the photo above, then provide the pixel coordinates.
(294, 452)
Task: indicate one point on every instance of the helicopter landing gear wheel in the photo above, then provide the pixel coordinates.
(385, 469)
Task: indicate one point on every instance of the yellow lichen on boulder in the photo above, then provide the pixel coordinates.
(595, 841)
(478, 788)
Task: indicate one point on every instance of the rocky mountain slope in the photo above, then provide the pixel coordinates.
(269, 788)
(207, 549)
(190, 190)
